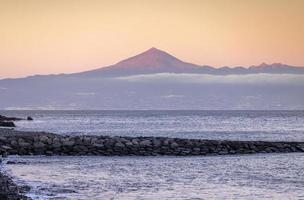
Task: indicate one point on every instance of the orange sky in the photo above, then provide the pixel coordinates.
(54, 36)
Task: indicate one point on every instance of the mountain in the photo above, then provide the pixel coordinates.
(148, 62)
(156, 80)
(277, 68)
(157, 61)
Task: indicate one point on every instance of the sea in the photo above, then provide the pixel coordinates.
(259, 176)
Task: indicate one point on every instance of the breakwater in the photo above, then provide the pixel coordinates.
(29, 143)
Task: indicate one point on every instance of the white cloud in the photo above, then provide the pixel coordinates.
(85, 93)
(293, 79)
(172, 96)
(18, 108)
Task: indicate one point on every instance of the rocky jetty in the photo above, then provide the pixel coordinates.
(9, 121)
(40, 143)
(4, 118)
(7, 124)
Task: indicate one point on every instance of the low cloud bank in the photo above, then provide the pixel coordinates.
(289, 79)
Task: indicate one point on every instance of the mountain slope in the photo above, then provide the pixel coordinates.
(148, 62)
(158, 61)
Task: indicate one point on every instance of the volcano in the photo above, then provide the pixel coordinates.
(151, 61)
(157, 61)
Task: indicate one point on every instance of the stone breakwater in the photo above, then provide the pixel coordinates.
(25, 143)
(9, 121)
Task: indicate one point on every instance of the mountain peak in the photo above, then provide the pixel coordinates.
(263, 65)
(273, 65)
(153, 49)
(150, 58)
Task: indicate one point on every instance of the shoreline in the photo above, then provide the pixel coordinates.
(14, 142)
(9, 190)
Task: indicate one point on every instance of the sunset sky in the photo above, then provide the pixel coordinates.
(63, 36)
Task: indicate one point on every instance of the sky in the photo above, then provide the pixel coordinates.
(64, 36)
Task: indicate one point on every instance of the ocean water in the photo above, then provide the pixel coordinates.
(260, 176)
(227, 125)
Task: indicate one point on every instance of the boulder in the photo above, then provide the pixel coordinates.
(29, 118)
(24, 144)
(3, 118)
(39, 145)
(6, 148)
(56, 145)
(145, 143)
(119, 145)
(7, 124)
(68, 143)
(174, 145)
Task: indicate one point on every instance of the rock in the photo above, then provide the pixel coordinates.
(3, 118)
(44, 139)
(68, 143)
(56, 145)
(4, 155)
(119, 145)
(7, 124)
(223, 152)
(25, 188)
(29, 118)
(3, 139)
(129, 144)
(196, 149)
(11, 162)
(145, 143)
(6, 148)
(9, 190)
(174, 145)
(14, 143)
(39, 145)
(98, 146)
(109, 143)
(135, 142)
(156, 143)
(94, 140)
(49, 153)
(24, 144)
(87, 140)
(301, 147)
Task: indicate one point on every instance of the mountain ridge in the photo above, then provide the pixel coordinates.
(155, 60)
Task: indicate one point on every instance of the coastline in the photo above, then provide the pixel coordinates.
(14, 142)
(10, 190)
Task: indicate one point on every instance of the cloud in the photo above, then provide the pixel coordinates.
(85, 93)
(289, 79)
(172, 96)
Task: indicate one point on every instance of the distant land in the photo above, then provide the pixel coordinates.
(157, 80)
(158, 61)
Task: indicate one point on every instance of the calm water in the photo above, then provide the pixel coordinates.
(230, 125)
(263, 176)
